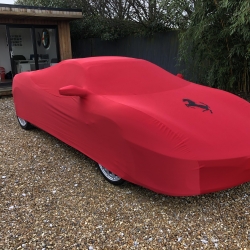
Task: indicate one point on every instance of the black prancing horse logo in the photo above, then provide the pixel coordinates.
(191, 104)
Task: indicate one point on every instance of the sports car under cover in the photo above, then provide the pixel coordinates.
(141, 123)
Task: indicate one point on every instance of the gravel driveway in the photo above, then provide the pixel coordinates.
(53, 197)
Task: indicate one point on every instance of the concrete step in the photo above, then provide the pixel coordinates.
(5, 91)
(6, 87)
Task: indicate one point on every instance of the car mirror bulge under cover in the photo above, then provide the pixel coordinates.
(72, 90)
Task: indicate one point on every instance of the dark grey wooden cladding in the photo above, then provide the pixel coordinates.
(161, 49)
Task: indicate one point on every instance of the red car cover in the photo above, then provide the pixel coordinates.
(144, 124)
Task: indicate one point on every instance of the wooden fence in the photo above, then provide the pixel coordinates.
(161, 49)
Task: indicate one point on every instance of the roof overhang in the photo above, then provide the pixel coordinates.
(28, 12)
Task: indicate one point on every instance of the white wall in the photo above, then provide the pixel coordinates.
(4, 50)
(27, 46)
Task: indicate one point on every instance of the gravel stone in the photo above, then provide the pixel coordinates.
(53, 197)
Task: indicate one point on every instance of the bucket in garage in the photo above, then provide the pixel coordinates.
(2, 73)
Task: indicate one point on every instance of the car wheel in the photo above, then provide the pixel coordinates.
(24, 124)
(109, 176)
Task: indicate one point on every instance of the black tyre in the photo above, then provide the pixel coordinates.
(24, 124)
(110, 177)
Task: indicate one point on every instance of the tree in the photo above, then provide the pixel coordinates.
(125, 17)
(147, 13)
(111, 19)
(216, 41)
(240, 50)
(177, 14)
(46, 3)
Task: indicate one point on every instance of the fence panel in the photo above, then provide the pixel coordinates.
(161, 49)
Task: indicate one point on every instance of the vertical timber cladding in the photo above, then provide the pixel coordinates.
(64, 40)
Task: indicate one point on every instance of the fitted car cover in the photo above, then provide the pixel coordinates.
(141, 122)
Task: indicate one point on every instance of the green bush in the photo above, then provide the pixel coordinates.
(216, 45)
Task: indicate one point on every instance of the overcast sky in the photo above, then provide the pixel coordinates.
(7, 1)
